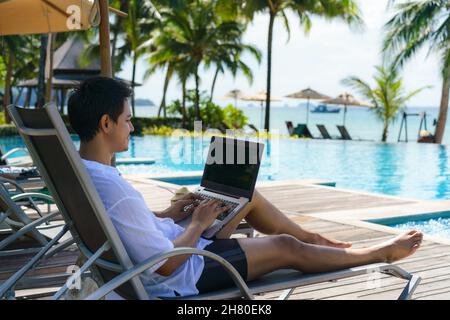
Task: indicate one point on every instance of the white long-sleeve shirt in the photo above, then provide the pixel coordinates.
(143, 233)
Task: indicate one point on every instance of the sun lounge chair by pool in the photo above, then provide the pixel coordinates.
(302, 131)
(24, 233)
(346, 136)
(290, 128)
(344, 133)
(323, 131)
(7, 160)
(94, 233)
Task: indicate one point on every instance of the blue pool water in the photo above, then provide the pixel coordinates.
(438, 225)
(404, 169)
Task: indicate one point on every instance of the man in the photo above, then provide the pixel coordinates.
(99, 112)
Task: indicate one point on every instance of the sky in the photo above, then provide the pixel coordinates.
(320, 60)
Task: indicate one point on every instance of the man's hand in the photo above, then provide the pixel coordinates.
(206, 212)
(177, 210)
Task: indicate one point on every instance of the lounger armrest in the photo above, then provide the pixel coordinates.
(33, 195)
(12, 151)
(12, 182)
(150, 262)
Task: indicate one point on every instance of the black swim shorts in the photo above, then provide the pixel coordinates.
(214, 275)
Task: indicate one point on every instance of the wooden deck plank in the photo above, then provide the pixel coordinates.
(431, 262)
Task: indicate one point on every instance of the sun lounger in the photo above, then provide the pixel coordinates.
(25, 233)
(323, 131)
(302, 131)
(346, 136)
(6, 159)
(94, 233)
(344, 133)
(290, 127)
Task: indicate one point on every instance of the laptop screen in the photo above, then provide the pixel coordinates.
(232, 166)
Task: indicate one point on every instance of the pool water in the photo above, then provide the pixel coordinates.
(437, 226)
(411, 170)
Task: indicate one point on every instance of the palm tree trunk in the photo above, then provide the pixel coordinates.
(41, 75)
(49, 59)
(442, 118)
(7, 97)
(116, 29)
(166, 85)
(197, 95)
(183, 105)
(385, 132)
(269, 71)
(214, 84)
(133, 77)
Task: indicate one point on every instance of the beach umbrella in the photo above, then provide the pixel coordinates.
(260, 97)
(234, 94)
(308, 94)
(346, 99)
(21, 17)
(47, 16)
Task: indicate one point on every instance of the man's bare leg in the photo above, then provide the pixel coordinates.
(262, 215)
(270, 253)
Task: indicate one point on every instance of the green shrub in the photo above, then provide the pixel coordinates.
(211, 115)
(8, 130)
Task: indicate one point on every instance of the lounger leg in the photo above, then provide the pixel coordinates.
(413, 281)
(8, 285)
(286, 294)
(105, 247)
(410, 288)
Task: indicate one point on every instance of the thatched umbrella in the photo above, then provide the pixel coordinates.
(308, 94)
(21, 17)
(346, 99)
(260, 97)
(234, 94)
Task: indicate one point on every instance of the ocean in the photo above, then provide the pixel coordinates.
(361, 123)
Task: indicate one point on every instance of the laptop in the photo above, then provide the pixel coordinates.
(229, 176)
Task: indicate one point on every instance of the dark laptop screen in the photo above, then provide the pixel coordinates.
(232, 166)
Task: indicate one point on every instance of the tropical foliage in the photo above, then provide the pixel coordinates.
(194, 36)
(211, 115)
(418, 24)
(346, 10)
(387, 97)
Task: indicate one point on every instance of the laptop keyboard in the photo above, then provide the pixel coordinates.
(223, 203)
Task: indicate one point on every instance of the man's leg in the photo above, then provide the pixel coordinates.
(271, 253)
(262, 215)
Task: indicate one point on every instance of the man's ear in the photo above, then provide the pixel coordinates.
(105, 123)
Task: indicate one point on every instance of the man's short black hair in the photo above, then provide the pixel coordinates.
(94, 98)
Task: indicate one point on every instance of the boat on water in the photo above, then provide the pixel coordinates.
(322, 108)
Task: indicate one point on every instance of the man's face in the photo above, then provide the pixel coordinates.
(120, 133)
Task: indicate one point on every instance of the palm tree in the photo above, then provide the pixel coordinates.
(228, 57)
(346, 10)
(138, 28)
(387, 97)
(12, 45)
(415, 25)
(192, 36)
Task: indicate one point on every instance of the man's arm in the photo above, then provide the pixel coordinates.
(202, 217)
(188, 238)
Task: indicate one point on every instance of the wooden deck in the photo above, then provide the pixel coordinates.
(335, 213)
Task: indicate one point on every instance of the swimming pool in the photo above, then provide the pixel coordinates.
(433, 224)
(412, 170)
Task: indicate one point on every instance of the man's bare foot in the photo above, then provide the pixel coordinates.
(401, 246)
(322, 241)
